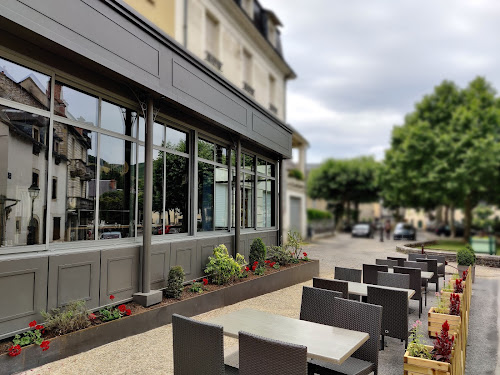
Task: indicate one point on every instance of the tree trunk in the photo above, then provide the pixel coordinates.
(356, 211)
(348, 213)
(452, 221)
(468, 217)
(439, 214)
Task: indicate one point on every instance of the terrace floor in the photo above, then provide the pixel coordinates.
(151, 352)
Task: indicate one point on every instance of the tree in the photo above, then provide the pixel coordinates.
(447, 152)
(345, 182)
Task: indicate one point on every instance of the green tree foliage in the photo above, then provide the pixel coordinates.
(447, 152)
(345, 181)
(258, 252)
(175, 283)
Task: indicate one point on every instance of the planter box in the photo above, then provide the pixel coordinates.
(421, 366)
(472, 273)
(92, 337)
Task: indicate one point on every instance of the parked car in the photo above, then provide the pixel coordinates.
(405, 231)
(445, 230)
(362, 230)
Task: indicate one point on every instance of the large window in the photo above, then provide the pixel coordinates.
(247, 190)
(266, 194)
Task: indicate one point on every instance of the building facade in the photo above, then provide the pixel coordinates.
(121, 155)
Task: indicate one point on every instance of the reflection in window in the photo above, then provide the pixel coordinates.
(206, 149)
(247, 186)
(265, 202)
(220, 154)
(221, 186)
(205, 216)
(158, 184)
(75, 105)
(247, 162)
(177, 140)
(158, 134)
(24, 85)
(118, 119)
(116, 188)
(140, 189)
(22, 194)
(176, 194)
(261, 166)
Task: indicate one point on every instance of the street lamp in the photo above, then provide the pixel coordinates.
(34, 191)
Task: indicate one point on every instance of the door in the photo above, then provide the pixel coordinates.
(295, 214)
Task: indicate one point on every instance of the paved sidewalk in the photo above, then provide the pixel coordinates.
(151, 352)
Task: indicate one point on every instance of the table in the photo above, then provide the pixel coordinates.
(327, 343)
(361, 289)
(424, 274)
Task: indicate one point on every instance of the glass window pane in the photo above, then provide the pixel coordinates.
(261, 166)
(205, 149)
(75, 105)
(205, 217)
(220, 154)
(23, 177)
(116, 188)
(221, 186)
(178, 140)
(261, 202)
(248, 162)
(158, 134)
(247, 201)
(74, 164)
(142, 129)
(270, 204)
(176, 194)
(158, 183)
(140, 189)
(233, 199)
(24, 85)
(271, 169)
(118, 119)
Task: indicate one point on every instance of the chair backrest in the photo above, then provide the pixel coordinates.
(386, 262)
(317, 305)
(332, 284)
(363, 317)
(395, 280)
(432, 266)
(198, 347)
(414, 257)
(394, 310)
(348, 274)
(401, 261)
(260, 355)
(415, 279)
(370, 272)
(422, 265)
(439, 258)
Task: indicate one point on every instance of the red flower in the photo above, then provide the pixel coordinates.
(272, 264)
(267, 261)
(92, 316)
(15, 350)
(111, 297)
(122, 308)
(38, 326)
(205, 281)
(32, 324)
(446, 326)
(128, 312)
(254, 267)
(256, 262)
(305, 254)
(247, 268)
(45, 345)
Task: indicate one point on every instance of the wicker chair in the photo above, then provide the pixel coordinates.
(370, 272)
(415, 283)
(348, 274)
(198, 348)
(442, 268)
(394, 311)
(259, 355)
(386, 262)
(423, 267)
(317, 305)
(356, 316)
(401, 261)
(332, 284)
(414, 257)
(394, 280)
(432, 266)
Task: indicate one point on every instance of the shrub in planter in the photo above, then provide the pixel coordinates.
(222, 267)
(258, 252)
(72, 317)
(280, 255)
(175, 282)
(294, 239)
(465, 257)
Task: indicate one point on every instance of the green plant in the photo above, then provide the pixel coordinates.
(415, 346)
(276, 266)
(293, 243)
(471, 250)
(280, 255)
(196, 287)
(259, 271)
(175, 283)
(465, 257)
(222, 267)
(442, 304)
(258, 252)
(72, 317)
(296, 173)
(314, 214)
(30, 337)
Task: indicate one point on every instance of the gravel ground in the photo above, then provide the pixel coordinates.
(151, 352)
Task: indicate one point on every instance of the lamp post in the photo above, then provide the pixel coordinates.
(33, 190)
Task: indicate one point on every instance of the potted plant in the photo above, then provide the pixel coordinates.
(466, 257)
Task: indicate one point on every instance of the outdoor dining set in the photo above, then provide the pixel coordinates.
(342, 326)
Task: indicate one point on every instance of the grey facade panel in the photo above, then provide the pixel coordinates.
(74, 276)
(160, 265)
(184, 254)
(204, 249)
(23, 288)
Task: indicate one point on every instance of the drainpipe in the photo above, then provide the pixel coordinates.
(237, 199)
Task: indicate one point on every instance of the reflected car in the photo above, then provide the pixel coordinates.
(110, 235)
(405, 231)
(362, 230)
(169, 229)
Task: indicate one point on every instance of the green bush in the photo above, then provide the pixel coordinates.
(314, 214)
(296, 173)
(293, 243)
(258, 252)
(465, 257)
(471, 250)
(175, 283)
(222, 267)
(280, 255)
(72, 317)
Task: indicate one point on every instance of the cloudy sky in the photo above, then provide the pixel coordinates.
(362, 64)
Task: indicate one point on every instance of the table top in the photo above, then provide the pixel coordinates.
(323, 342)
(361, 289)
(424, 274)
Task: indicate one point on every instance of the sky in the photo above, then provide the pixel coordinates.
(363, 64)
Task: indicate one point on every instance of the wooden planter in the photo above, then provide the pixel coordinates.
(421, 366)
(94, 336)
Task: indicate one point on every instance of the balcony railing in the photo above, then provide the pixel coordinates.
(213, 60)
(248, 88)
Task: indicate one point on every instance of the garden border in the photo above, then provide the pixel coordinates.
(94, 336)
